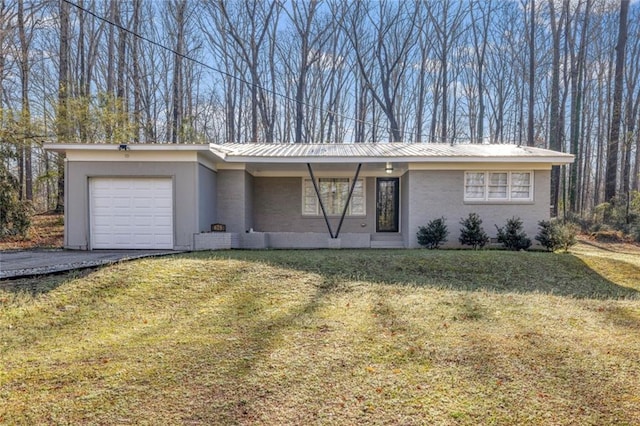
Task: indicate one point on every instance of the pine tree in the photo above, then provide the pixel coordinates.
(471, 233)
(512, 236)
(434, 234)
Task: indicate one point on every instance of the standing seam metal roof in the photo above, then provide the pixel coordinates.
(384, 150)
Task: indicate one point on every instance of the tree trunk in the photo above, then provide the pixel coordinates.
(84, 82)
(555, 128)
(120, 100)
(577, 75)
(480, 41)
(137, 84)
(532, 72)
(63, 96)
(636, 165)
(177, 86)
(614, 137)
(25, 117)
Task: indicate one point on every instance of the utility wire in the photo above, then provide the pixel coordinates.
(222, 72)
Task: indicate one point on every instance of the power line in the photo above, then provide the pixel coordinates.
(222, 72)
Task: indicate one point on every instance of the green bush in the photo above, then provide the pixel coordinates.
(586, 223)
(619, 212)
(554, 235)
(471, 233)
(568, 233)
(15, 214)
(547, 235)
(434, 234)
(512, 237)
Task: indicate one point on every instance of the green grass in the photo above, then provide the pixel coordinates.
(328, 337)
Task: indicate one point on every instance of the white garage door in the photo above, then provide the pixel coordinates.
(131, 213)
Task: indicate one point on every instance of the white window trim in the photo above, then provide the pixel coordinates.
(319, 210)
(508, 199)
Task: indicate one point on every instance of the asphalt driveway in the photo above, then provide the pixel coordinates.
(16, 264)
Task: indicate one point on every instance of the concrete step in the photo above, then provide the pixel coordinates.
(384, 236)
(387, 244)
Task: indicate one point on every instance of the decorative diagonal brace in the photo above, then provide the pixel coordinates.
(324, 212)
(346, 206)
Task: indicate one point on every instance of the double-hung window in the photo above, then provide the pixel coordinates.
(498, 186)
(334, 193)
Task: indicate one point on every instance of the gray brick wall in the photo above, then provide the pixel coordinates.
(441, 193)
(207, 203)
(278, 208)
(232, 196)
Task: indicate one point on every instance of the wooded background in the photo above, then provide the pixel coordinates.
(558, 74)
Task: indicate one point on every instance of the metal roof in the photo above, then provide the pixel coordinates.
(344, 153)
(361, 152)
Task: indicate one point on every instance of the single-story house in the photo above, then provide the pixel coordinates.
(191, 197)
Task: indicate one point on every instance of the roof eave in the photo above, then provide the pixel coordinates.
(220, 154)
(559, 160)
(64, 147)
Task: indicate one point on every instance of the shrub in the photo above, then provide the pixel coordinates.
(567, 236)
(22, 218)
(620, 212)
(608, 236)
(554, 235)
(584, 222)
(512, 236)
(548, 235)
(471, 233)
(434, 234)
(15, 214)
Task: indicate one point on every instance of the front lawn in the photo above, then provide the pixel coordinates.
(328, 337)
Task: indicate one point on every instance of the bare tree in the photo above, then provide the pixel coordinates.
(328, 72)
(26, 20)
(555, 124)
(531, 40)
(447, 18)
(243, 33)
(136, 77)
(178, 10)
(614, 136)
(480, 32)
(633, 106)
(63, 96)
(632, 110)
(381, 41)
(311, 37)
(424, 77)
(577, 65)
(7, 15)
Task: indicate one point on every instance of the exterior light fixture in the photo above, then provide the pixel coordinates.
(388, 168)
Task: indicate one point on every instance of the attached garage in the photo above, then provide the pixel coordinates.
(131, 213)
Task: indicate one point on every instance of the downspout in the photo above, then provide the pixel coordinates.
(346, 206)
(324, 212)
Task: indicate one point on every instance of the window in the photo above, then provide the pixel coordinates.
(498, 186)
(521, 186)
(474, 186)
(334, 193)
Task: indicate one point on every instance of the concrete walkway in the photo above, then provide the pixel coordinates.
(16, 264)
